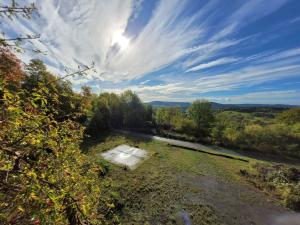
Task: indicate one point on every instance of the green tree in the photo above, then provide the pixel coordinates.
(290, 116)
(106, 113)
(45, 177)
(60, 97)
(134, 112)
(201, 113)
(167, 117)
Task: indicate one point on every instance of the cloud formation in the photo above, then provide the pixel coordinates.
(191, 52)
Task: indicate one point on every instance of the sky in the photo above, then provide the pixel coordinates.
(237, 51)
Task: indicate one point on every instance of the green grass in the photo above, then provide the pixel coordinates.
(156, 192)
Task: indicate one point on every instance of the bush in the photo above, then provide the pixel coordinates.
(291, 197)
(282, 181)
(247, 132)
(45, 179)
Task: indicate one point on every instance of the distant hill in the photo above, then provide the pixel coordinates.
(219, 105)
(169, 104)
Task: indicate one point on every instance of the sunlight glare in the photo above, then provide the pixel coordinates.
(119, 39)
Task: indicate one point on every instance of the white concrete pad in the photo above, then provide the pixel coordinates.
(125, 155)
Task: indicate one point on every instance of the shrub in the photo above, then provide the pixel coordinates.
(282, 181)
(45, 179)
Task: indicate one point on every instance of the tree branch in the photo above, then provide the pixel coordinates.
(29, 37)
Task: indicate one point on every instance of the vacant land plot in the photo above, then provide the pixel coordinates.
(174, 184)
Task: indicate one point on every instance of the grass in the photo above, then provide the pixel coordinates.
(167, 184)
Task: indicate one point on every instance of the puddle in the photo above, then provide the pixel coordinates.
(125, 155)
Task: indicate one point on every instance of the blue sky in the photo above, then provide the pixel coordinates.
(237, 51)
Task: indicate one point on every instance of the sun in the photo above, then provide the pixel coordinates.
(119, 39)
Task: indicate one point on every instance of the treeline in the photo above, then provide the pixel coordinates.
(271, 132)
(111, 111)
(278, 134)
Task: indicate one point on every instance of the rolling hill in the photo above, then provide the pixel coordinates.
(215, 105)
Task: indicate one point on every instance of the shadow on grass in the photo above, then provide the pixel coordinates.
(252, 154)
(90, 142)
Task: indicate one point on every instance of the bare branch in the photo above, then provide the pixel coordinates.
(28, 37)
(15, 10)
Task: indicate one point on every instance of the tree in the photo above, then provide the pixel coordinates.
(201, 113)
(133, 110)
(149, 112)
(15, 10)
(10, 68)
(60, 97)
(167, 117)
(116, 110)
(86, 91)
(290, 116)
(45, 177)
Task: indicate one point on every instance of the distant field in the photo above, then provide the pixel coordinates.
(175, 182)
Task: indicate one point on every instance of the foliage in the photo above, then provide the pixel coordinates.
(290, 116)
(62, 102)
(134, 111)
(247, 132)
(281, 180)
(228, 127)
(10, 68)
(167, 117)
(111, 111)
(278, 134)
(45, 177)
(174, 119)
(197, 121)
(201, 113)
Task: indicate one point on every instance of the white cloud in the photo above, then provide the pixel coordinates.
(264, 97)
(75, 33)
(161, 42)
(217, 62)
(79, 32)
(234, 80)
(205, 51)
(284, 55)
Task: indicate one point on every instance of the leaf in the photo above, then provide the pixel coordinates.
(21, 209)
(33, 196)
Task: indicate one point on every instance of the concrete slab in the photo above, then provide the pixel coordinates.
(125, 155)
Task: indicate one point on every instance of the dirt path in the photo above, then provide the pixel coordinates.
(233, 203)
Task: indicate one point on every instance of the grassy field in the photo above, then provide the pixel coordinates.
(174, 183)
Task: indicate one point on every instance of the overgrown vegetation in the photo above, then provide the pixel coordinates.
(280, 180)
(45, 177)
(278, 135)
